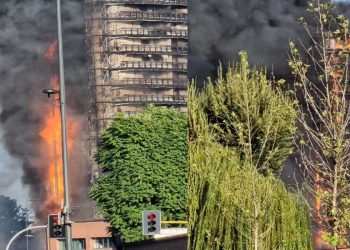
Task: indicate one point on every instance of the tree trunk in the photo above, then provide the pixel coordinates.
(334, 201)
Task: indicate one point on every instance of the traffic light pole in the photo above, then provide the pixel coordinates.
(66, 209)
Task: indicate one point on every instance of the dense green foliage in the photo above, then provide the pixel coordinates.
(144, 159)
(236, 127)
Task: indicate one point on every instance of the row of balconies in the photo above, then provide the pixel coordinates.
(144, 99)
(146, 66)
(147, 33)
(142, 2)
(146, 49)
(146, 83)
(148, 16)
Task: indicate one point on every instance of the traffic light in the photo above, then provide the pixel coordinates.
(151, 222)
(56, 227)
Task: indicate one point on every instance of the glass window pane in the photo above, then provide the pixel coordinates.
(99, 243)
(77, 244)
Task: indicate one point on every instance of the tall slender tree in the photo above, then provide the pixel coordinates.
(322, 85)
(241, 130)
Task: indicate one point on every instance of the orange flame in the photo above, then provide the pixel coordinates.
(52, 144)
(50, 53)
(52, 147)
(320, 233)
(51, 133)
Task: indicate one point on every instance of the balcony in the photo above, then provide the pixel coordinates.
(142, 2)
(148, 33)
(146, 83)
(148, 16)
(146, 49)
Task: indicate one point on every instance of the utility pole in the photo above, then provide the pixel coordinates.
(62, 99)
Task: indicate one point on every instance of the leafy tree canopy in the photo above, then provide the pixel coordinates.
(246, 112)
(144, 160)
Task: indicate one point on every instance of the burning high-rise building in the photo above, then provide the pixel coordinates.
(138, 56)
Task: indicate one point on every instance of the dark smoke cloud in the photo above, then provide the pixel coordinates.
(27, 29)
(220, 29)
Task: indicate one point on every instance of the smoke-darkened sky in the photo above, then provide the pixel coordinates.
(28, 27)
(220, 29)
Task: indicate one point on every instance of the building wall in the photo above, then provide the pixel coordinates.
(170, 239)
(138, 56)
(171, 243)
(87, 231)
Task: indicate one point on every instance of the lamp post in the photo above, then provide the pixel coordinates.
(27, 220)
(62, 101)
(66, 209)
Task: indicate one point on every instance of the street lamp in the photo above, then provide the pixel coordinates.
(62, 100)
(27, 220)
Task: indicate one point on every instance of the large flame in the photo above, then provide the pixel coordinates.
(51, 148)
(51, 134)
(320, 233)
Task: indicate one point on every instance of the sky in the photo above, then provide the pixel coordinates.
(11, 181)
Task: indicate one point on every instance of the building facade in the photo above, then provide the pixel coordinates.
(87, 235)
(138, 56)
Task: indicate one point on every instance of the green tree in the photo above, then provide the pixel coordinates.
(241, 129)
(247, 114)
(144, 160)
(12, 220)
(322, 73)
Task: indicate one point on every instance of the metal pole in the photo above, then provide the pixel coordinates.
(27, 224)
(66, 209)
(20, 232)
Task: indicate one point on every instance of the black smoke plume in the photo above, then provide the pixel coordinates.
(28, 27)
(219, 30)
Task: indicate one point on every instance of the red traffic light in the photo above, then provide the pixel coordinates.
(56, 230)
(55, 220)
(151, 222)
(151, 216)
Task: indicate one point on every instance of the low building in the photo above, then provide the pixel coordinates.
(94, 235)
(87, 235)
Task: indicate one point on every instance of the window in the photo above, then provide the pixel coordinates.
(77, 244)
(100, 243)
